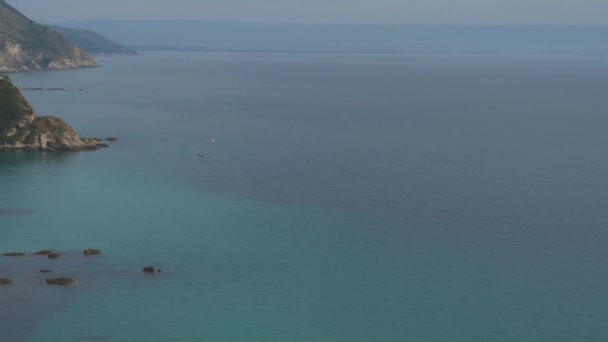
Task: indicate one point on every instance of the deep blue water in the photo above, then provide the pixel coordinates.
(346, 198)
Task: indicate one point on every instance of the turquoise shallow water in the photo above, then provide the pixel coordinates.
(347, 198)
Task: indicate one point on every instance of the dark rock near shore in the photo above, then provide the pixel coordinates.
(111, 139)
(13, 254)
(5, 281)
(148, 269)
(54, 255)
(92, 251)
(44, 252)
(46, 271)
(60, 281)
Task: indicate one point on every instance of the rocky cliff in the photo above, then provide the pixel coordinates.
(27, 46)
(20, 128)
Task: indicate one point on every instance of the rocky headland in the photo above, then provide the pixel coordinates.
(28, 46)
(22, 129)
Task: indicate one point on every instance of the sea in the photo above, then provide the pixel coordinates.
(340, 197)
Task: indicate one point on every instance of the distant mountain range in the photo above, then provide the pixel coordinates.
(419, 39)
(93, 42)
(26, 45)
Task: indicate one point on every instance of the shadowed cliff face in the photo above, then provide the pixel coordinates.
(21, 129)
(27, 46)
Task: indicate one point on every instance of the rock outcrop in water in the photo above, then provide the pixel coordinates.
(20, 128)
(91, 251)
(28, 46)
(60, 281)
(148, 269)
(13, 254)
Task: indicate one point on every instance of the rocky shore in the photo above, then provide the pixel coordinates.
(21, 129)
(16, 58)
(50, 133)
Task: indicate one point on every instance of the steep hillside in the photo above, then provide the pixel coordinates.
(26, 45)
(93, 42)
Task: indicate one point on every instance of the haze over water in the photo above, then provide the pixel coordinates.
(346, 198)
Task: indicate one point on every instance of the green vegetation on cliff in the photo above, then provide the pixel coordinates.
(11, 102)
(26, 45)
(15, 111)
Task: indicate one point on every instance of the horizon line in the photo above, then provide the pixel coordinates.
(328, 24)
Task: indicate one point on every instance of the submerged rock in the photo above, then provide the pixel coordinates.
(60, 281)
(92, 251)
(111, 139)
(46, 271)
(54, 255)
(13, 254)
(44, 252)
(5, 281)
(15, 211)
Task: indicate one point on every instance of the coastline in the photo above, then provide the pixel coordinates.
(89, 144)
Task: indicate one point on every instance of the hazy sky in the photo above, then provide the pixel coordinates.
(572, 12)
